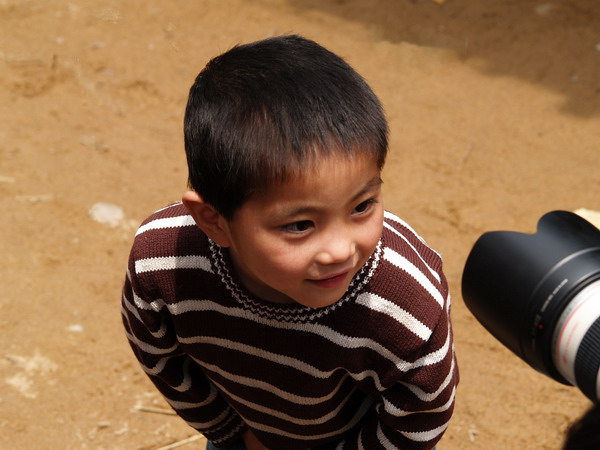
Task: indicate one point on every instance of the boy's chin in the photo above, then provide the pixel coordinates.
(313, 296)
(323, 300)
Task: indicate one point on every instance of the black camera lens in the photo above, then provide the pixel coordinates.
(539, 295)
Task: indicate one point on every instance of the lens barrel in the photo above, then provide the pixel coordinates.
(519, 286)
(576, 341)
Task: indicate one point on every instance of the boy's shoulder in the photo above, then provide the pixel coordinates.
(409, 273)
(399, 236)
(170, 231)
(165, 217)
(408, 289)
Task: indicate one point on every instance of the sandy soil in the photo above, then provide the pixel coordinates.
(494, 110)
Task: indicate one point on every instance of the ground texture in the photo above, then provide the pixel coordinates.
(494, 112)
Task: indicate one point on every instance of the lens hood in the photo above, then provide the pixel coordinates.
(517, 284)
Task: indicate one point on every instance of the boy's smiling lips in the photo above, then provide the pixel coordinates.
(331, 281)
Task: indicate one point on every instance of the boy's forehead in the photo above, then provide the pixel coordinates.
(305, 172)
(343, 176)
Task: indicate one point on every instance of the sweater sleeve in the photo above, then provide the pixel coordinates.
(179, 379)
(413, 410)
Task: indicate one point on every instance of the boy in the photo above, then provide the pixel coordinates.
(278, 306)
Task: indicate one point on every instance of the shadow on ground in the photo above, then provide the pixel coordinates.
(553, 44)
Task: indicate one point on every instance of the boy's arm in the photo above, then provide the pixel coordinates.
(174, 373)
(414, 411)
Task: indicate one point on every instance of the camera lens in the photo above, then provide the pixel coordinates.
(539, 295)
(576, 341)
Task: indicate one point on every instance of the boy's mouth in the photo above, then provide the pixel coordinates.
(332, 281)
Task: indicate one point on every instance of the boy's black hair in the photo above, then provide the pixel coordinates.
(264, 111)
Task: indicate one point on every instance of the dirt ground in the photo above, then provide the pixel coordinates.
(494, 112)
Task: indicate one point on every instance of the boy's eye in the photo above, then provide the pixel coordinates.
(298, 227)
(364, 206)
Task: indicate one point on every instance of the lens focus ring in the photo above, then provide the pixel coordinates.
(587, 362)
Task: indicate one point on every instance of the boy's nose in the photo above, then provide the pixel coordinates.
(336, 249)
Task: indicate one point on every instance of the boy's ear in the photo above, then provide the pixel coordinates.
(207, 218)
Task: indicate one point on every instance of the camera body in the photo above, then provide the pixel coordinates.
(539, 295)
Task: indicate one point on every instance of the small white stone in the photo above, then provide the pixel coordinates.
(97, 45)
(107, 214)
(88, 140)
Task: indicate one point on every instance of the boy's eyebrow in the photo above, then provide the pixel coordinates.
(372, 184)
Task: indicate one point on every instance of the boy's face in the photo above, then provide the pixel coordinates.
(305, 239)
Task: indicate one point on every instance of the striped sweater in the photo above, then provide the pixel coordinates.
(374, 370)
